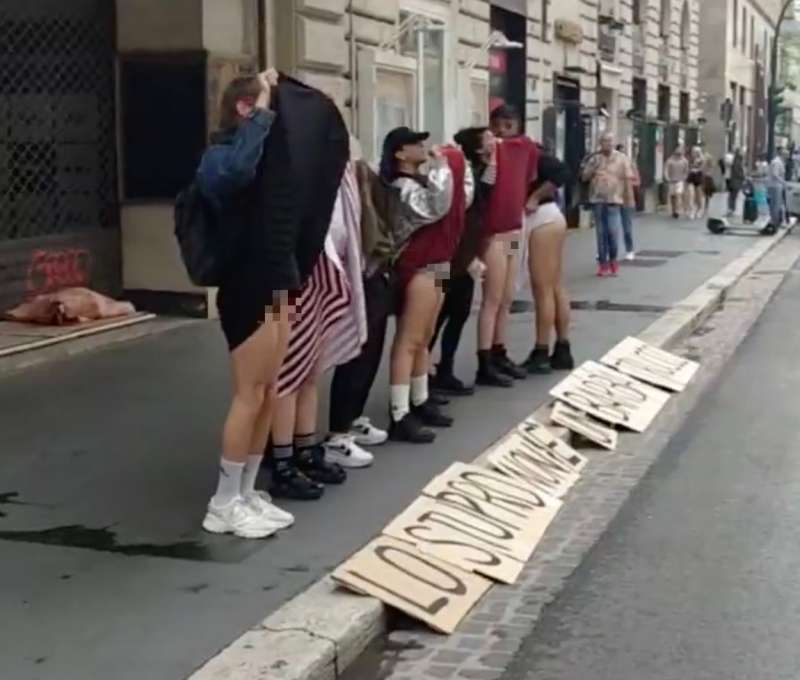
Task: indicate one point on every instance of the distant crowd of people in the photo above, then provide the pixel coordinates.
(321, 249)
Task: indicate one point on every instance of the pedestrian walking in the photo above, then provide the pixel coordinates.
(546, 231)
(709, 185)
(517, 157)
(253, 298)
(676, 172)
(608, 173)
(760, 181)
(632, 187)
(776, 188)
(696, 195)
(466, 269)
(735, 181)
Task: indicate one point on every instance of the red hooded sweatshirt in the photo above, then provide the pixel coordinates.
(436, 243)
(517, 162)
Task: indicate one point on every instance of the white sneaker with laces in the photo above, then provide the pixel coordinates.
(342, 449)
(261, 502)
(238, 518)
(366, 434)
(630, 256)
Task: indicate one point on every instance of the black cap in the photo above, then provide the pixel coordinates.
(400, 137)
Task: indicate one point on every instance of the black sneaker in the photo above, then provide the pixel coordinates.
(429, 414)
(410, 430)
(561, 359)
(447, 383)
(538, 362)
(437, 398)
(312, 462)
(289, 482)
(507, 367)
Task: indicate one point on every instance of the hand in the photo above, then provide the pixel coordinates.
(532, 205)
(267, 79)
(477, 270)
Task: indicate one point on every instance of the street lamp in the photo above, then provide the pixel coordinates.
(772, 103)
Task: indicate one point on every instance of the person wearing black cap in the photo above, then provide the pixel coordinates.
(424, 201)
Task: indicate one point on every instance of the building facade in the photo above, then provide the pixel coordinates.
(94, 147)
(734, 74)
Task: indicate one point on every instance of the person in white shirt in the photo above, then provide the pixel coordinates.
(776, 185)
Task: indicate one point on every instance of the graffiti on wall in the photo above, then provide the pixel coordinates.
(51, 270)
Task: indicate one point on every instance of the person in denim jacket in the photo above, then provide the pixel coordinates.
(254, 323)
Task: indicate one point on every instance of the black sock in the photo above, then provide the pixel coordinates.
(498, 350)
(484, 357)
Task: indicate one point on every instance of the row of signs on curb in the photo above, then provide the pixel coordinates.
(476, 525)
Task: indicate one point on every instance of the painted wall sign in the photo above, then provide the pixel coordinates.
(534, 455)
(651, 364)
(611, 396)
(51, 270)
(422, 586)
(462, 537)
(583, 424)
(525, 511)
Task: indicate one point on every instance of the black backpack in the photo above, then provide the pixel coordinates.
(198, 237)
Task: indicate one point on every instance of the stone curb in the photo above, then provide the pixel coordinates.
(319, 633)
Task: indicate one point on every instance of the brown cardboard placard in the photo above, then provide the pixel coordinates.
(611, 396)
(650, 364)
(583, 424)
(471, 541)
(515, 504)
(398, 574)
(534, 455)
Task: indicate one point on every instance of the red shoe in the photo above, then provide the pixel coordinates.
(603, 270)
(614, 268)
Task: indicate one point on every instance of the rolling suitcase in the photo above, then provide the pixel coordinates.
(750, 213)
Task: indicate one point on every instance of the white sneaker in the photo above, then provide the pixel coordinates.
(238, 518)
(630, 256)
(342, 449)
(366, 434)
(261, 502)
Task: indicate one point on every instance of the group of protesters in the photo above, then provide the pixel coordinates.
(322, 249)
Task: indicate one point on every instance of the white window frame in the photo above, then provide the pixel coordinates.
(448, 16)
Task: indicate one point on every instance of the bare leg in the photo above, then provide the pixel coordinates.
(509, 289)
(255, 366)
(546, 247)
(414, 328)
(493, 291)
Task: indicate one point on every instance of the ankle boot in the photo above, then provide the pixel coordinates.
(504, 364)
(487, 372)
(561, 359)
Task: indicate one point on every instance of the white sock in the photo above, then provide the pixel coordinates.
(250, 474)
(230, 482)
(419, 389)
(400, 401)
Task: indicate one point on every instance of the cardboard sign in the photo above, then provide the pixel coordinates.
(428, 589)
(611, 396)
(583, 424)
(533, 455)
(513, 504)
(462, 537)
(651, 364)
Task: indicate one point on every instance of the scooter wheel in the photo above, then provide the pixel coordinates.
(769, 230)
(716, 226)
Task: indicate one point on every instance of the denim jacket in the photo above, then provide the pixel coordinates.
(230, 163)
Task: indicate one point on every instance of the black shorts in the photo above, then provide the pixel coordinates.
(696, 179)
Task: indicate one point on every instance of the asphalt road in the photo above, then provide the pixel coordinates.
(697, 577)
(107, 461)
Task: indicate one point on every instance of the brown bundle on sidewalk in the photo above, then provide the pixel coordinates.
(68, 306)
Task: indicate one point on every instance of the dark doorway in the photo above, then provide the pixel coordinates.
(684, 108)
(640, 96)
(569, 137)
(507, 67)
(664, 103)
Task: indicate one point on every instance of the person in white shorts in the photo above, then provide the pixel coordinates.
(676, 173)
(546, 231)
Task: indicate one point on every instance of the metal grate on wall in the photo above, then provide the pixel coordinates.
(57, 134)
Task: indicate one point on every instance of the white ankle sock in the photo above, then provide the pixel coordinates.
(400, 401)
(250, 474)
(419, 389)
(230, 481)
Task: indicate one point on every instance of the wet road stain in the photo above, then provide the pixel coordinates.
(9, 498)
(217, 549)
(297, 569)
(525, 306)
(199, 588)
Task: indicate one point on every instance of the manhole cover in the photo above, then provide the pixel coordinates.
(661, 253)
(646, 264)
